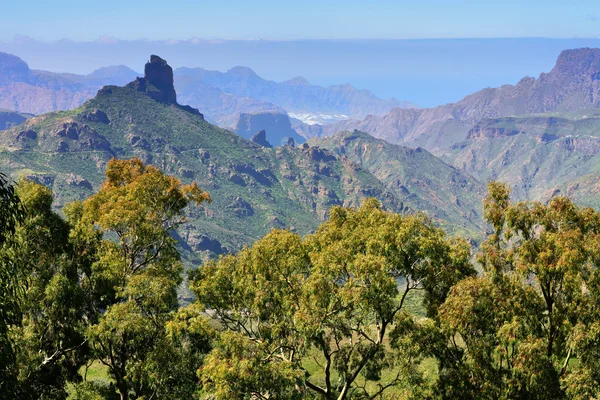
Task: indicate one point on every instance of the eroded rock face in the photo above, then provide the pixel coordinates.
(68, 130)
(157, 82)
(240, 207)
(27, 134)
(96, 116)
(160, 75)
(261, 138)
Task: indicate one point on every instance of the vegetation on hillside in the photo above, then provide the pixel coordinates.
(372, 305)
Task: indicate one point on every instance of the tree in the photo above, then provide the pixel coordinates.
(137, 267)
(531, 314)
(49, 338)
(337, 297)
(11, 282)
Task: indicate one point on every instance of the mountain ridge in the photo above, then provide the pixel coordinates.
(254, 188)
(573, 84)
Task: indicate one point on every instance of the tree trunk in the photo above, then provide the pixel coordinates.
(122, 386)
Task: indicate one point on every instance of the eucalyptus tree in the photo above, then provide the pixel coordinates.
(325, 316)
(527, 328)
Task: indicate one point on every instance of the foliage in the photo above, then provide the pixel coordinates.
(139, 268)
(11, 213)
(525, 326)
(337, 293)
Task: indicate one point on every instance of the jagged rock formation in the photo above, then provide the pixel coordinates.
(288, 141)
(157, 83)
(260, 137)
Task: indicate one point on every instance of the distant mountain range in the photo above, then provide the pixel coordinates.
(255, 188)
(30, 91)
(296, 95)
(541, 135)
(428, 72)
(573, 84)
(221, 96)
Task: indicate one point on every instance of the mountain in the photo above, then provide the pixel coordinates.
(254, 188)
(420, 180)
(296, 95)
(540, 156)
(30, 91)
(9, 118)
(223, 109)
(573, 84)
(277, 127)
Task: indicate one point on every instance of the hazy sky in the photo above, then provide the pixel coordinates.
(51, 20)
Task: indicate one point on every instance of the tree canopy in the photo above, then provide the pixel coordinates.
(372, 305)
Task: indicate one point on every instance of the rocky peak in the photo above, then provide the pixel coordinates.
(157, 84)
(261, 138)
(157, 81)
(288, 141)
(579, 63)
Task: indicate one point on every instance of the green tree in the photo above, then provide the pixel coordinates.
(338, 297)
(517, 329)
(11, 282)
(49, 339)
(137, 267)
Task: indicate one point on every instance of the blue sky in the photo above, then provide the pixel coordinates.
(84, 20)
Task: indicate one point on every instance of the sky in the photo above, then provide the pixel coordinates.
(83, 20)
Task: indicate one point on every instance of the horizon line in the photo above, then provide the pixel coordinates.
(108, 40)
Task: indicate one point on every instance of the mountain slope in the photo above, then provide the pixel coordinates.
(419, 179)
(538, 155)
(254, 188)
(573, 84)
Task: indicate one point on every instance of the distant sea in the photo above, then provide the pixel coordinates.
(426, 72)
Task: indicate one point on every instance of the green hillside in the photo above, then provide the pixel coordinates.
(540, 155)
(254, 188)
(419, 179)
